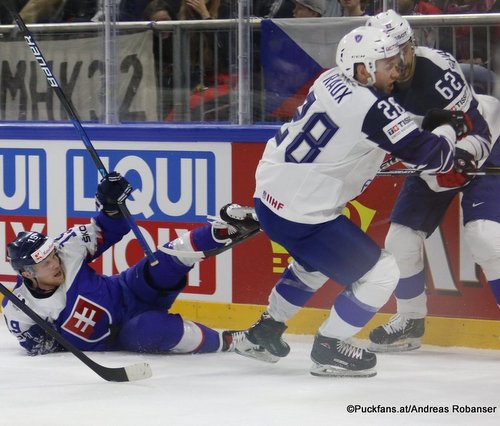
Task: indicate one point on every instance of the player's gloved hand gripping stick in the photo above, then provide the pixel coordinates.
(464, 164)
(68, 106)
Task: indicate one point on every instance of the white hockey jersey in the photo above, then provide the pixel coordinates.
(333, 147)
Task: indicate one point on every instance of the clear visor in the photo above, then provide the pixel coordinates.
(408, 57)
(395, 62)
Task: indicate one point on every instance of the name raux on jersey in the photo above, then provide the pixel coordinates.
(336, 87)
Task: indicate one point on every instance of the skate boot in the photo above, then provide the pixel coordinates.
(238, 223)
(398, 335)
(237, 341)
(339, 358)
(235, 224)
(267, 332)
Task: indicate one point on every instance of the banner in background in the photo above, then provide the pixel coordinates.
(293, 53)
(49, 186)
(78, 65)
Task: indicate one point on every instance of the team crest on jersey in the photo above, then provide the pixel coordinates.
(88, 321)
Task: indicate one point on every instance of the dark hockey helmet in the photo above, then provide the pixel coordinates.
(29, 248)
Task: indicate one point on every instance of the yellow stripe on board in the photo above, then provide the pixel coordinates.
(440, 331)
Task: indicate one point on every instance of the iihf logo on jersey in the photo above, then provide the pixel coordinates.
(88, 321)
(271, 201)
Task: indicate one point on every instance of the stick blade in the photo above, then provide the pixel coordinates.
(138, 371)
(130, 373)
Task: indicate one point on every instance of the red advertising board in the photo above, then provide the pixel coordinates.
(179, 183)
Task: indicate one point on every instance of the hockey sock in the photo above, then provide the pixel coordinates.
(347, 317)
(292, 289)
(211, 340)
(411, 287)
(288, 296)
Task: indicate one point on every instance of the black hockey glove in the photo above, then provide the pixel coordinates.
(459, 120)
(463, 162)
(112, 191)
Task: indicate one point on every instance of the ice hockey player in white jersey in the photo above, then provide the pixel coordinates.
(433, 79)
(326, 156)
(128, 311)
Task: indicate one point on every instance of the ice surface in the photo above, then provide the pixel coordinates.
(228, 389)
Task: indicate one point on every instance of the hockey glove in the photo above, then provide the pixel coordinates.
(112, 191)
(459, 120)
(463, 163)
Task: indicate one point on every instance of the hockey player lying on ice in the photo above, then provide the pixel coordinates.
(128, 311)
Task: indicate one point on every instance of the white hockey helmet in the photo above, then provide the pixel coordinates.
(364, 45)
(393, 24)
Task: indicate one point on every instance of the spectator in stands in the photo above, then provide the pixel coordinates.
(158, 10)
(424, 36)
(423, 7)
(353, 7)
(80, 10)
(209, 61)
(281, 9)
(132, 10)
(42, 11)
(203, 9)
(304, 9)
(309, 8)
(479, 34)
(262, 8)
(161, 10)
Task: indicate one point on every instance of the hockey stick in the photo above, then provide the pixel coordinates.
(486, 171)
(70, 110)
(121, 374)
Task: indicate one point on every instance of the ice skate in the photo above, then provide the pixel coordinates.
(237, 341)
(235, 225)
(400, 334)
(339, 358)
(267, 333)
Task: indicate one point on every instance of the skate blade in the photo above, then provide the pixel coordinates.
(406, 345)
(322, 370)
(259, 354)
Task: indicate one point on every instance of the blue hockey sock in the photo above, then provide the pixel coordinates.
(411, 287)
(292, 289)
(352, 310)
(211, 340)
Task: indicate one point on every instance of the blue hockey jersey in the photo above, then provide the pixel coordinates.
(87, 306)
